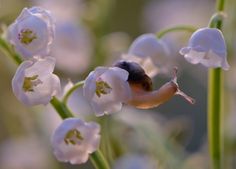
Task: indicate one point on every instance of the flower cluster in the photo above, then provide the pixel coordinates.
(128, 81)
(34, 83)
(32, 34)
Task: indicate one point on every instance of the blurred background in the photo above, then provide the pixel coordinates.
(92, 33)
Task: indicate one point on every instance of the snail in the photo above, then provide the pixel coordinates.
(143, 95)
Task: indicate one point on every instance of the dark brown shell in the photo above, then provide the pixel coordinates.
(137, 75)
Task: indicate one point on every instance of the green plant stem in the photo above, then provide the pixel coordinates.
(61, 108)
(98, 160)
(188, 28)
(7, 49)
(214, 117)
(215, 80)
(71, 90)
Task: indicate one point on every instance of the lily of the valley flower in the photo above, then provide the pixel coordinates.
(34, 83)
(32, 32)
(74, 140)
(106, 89)
(152, 54)
(207, 46)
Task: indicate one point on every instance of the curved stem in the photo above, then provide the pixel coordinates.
(188, 28)
(7, 49)
(98, 160)
(61, 108)
(215, 105)
(71, 90)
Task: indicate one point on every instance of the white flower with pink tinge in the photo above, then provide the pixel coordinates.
(207, 46)
(106, 88)
(74, 140)
(32, 32)
(34, 82)
(150, 52)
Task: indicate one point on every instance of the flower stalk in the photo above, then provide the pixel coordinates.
(98, 160)
(61, 108)
(188, 28)
(215, 80)
(8, 51)
(71, 90)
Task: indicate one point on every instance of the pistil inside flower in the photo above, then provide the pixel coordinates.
(102, 87)
(30, 82)
(73, 137)
(26, 36)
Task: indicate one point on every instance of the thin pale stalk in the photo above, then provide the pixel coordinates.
(188, 28)
(71, 90)
(215, 114)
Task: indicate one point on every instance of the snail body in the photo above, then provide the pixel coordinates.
(143, 95)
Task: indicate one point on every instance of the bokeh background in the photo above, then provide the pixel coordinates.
(92, 33)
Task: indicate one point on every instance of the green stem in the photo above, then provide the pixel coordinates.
(98, 160)
(8, 50)
(214, 117)
(71, 90)
(220, 4)
(61, 108)
(215, 105)
(188, 28)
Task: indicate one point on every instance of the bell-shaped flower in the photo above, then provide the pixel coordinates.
(106, 89)
(74, 140)
(150, 52)
(34, 83)
(207, 46)
(32, 32)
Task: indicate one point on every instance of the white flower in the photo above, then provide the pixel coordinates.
(107, 89)
(207, 46)
(149, 49)
(74, 140)
(32, 32)
(34, 83)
